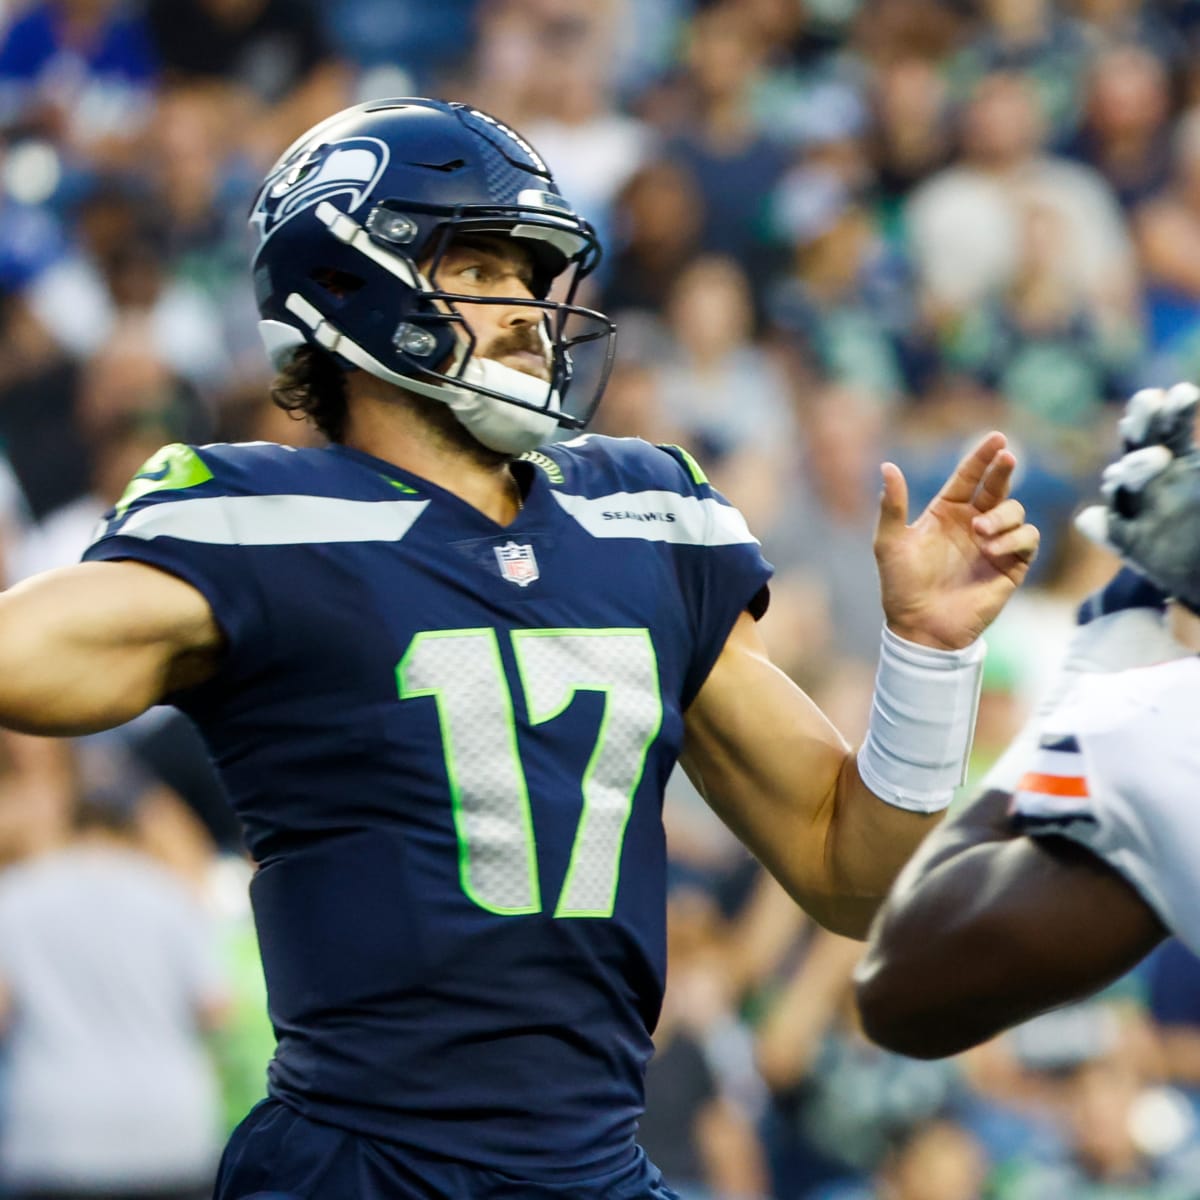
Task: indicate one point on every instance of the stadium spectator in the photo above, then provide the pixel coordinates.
(710, 354)
(119, 445)
(1125, 135)
(825, 519)
(572, 119)
(271, 56)
(118, 274)
(1107, 1151)
(80, 74)
(699, 1123)
(912, 131)
(657, 220)
(728, 154)
(837, 1100)
(966, 222)
(1168, 232)
(198, 183)
(935, 1159)
(107, 980)
(1040, 344)
(1037, 41)
(845, 306)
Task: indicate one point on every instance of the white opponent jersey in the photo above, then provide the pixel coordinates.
(1118, 771)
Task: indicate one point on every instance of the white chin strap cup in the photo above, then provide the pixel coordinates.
(501, 426)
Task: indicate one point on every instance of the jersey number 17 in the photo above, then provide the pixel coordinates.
(463, 671)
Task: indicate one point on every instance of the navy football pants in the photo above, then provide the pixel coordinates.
(276, 1154)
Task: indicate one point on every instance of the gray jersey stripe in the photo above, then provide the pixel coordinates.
(275, 520)
(659, 517)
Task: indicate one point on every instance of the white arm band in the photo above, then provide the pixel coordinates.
(922, 723)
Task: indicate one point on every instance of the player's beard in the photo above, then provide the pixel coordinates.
(446, 428)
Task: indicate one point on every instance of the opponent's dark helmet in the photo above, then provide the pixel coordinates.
(355, 206)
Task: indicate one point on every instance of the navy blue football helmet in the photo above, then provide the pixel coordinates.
(352, 222)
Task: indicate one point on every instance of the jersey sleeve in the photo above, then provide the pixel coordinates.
(1116, 772)
(176, 515)
(721, 570)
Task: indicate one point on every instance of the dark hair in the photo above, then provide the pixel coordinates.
(313, 385)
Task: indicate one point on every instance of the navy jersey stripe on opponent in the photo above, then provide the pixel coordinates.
(1066, 743)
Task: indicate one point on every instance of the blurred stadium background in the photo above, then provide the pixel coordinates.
(838, 231)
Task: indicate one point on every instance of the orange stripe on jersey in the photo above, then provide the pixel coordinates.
(1053, 785)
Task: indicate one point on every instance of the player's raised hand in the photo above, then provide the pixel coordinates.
(946, 576)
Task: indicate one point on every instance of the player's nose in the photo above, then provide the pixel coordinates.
(515, 312)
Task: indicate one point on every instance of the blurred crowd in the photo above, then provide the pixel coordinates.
(837, 231)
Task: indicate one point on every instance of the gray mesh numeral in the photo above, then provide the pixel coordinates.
(554, 665)
(463, 671)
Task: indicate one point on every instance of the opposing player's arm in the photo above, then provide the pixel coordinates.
(87, 647)
(987, 927)
(780, 775)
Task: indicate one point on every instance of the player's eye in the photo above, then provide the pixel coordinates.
(474, 273)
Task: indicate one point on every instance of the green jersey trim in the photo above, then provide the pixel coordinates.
(173, 468)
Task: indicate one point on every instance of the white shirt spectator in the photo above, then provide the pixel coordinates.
(107, 963)
(967, 229)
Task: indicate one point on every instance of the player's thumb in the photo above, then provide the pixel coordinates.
(893, 503)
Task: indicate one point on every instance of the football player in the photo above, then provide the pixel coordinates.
(446, 664)
(1081, 854)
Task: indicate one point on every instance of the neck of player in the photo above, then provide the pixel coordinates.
(423, 437)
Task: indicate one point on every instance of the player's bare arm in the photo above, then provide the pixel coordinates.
(88, 647)
(782, 777)
(987, 928)
(778, 772)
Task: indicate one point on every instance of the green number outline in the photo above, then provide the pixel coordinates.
(456, 797)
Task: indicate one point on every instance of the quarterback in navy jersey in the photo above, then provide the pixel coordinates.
(446, 664)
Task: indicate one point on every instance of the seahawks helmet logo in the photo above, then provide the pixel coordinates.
(351, 167)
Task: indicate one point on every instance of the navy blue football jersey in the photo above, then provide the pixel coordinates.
(447, 741)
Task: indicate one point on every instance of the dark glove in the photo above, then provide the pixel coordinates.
(1151, 518)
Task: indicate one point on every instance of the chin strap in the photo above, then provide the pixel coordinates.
(501, 426)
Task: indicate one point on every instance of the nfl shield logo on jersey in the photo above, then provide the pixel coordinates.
(517, 563)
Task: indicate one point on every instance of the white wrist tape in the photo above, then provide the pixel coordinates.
(922, 722)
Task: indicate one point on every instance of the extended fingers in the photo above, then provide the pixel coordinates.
(1018, 545)
(1004, 536)
(960, 488)
(1006, 515)
(996, 482)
